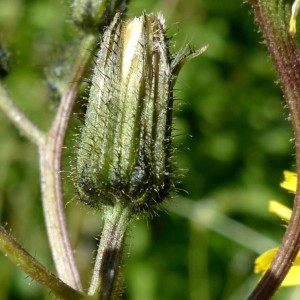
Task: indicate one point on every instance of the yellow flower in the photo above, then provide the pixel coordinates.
(263, 262)
(290, 181)
(280, 210)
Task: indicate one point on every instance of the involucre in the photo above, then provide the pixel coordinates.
(125, 148)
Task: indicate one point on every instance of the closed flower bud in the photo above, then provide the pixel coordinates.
(125, 146)
(92, 15)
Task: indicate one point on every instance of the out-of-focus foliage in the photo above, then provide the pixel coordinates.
(234, 143)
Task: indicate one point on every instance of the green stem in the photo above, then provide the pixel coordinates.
(50, 168)
(21, 258)
(50, 149)
(272, 17)
(26, 127)
(110, 250)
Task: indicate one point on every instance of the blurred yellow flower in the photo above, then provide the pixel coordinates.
(263, 262)
(280, 210)
(290, 181)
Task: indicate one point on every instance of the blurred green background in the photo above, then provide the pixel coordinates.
(234, 142)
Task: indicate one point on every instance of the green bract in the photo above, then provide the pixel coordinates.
(92, 15)
(126, 144)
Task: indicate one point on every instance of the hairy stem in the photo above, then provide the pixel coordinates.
(20, 257)
(50, 150)
(272, 17)
(50, 166)
(104, 281)
(26, 127)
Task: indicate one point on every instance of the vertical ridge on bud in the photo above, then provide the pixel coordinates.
(92, 15)
(126, 144)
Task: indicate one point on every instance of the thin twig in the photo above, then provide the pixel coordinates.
(26, 127)
(21, 258)
(50, 165)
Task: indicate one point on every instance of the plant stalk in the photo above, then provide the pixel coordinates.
(272, 18)
(26, 127)
(21, 258)
(105, 276)
(50, 168)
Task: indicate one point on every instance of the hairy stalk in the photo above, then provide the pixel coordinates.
(33, 268)
(110, 250)
(50, 150)
(26, 127)
(272, 18)
(50, 166)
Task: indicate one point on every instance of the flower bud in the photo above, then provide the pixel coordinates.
(92, 15)
(125, 148)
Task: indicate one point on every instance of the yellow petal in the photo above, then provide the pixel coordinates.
(290, 181)
(293, 277)
(295, 10)
(263, 261)
(280, 210)
(293, 25)
(297, 260)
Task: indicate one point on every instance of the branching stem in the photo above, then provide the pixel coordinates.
(50, 146)
(26, 127)
(50, 166)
